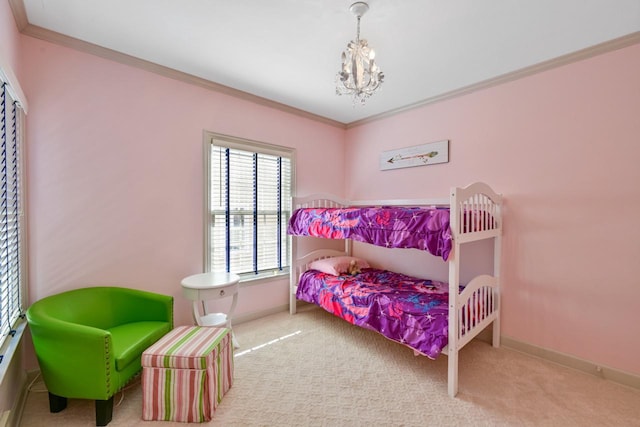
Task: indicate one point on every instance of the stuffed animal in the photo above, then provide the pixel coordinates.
(353, 268)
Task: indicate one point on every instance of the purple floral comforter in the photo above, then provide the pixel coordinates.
(411, 311)
(392, 227)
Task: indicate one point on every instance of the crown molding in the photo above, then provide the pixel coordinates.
(19, 13)
(579, 55)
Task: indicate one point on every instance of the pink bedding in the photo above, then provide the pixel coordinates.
(391, 227)
(411, 311)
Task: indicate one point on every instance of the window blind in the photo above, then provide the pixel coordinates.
(10, 214)
(249, 199)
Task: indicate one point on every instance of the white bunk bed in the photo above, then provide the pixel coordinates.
(475, 214)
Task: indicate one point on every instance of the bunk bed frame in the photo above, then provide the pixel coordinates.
(475, 214)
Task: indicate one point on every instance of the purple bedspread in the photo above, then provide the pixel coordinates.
(391, 227)
(411, 311)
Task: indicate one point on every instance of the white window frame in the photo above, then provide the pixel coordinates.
(13, 320)
(211, 138)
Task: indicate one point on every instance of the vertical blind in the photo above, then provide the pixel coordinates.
(250, 195)
(10, 218)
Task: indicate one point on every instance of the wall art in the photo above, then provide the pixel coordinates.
(419, 155)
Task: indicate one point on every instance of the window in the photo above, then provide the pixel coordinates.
(11, 218)
(248, 190)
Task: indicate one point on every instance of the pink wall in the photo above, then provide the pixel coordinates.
(8, 38)
(562, 147)
(116, 178)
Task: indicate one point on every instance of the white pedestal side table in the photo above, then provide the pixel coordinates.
(208, 286)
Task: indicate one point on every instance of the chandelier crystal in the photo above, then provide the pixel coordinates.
(360, 76)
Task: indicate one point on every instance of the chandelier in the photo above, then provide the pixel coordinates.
(360, 76)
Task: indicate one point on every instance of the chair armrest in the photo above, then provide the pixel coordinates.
(68, 355)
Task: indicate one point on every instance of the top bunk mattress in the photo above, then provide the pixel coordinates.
(392, 227)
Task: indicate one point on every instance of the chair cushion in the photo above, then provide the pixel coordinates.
(131, 339)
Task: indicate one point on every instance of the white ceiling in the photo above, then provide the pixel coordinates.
(288, 51)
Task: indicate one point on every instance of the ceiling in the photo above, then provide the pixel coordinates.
(288, 51)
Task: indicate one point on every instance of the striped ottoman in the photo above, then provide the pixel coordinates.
(186, 373)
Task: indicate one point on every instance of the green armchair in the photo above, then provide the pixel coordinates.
(89, 341)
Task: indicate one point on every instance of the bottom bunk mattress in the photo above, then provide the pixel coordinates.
(411, 311)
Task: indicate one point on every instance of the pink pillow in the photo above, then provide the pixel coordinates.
(337, 265)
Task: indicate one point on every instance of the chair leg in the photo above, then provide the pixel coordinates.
(104, 411)
(57, 403)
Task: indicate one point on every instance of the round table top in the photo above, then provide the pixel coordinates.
(212, 279)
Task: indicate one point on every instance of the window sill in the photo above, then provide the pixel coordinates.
(263, 278)
(10, 346)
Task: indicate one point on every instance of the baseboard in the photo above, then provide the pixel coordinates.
(611, 374)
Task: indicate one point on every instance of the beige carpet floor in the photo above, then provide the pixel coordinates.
(313, 369)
